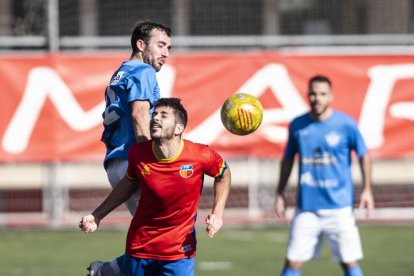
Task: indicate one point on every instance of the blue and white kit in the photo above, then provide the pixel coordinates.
(325, 150)
(133, 81)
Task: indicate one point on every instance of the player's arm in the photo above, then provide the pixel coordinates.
(367, 198)
(222, 186)
(119, 195)
(285, 169)
(140, 120)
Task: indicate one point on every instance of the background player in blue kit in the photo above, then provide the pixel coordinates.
(324, 139)
(130, 99)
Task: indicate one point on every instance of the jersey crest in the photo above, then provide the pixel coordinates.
(186, 171)
(333, 138)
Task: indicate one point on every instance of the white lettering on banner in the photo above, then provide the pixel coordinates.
(374, 108)
(44, 82)
(276, 77)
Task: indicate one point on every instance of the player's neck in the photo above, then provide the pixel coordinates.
(322, 116)
(167, 149)
(137, 56)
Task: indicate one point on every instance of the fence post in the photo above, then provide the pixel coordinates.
(54, 195)
(253, 186)
(52, 10)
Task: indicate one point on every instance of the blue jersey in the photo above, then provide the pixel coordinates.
(133, 81)
(324, 149)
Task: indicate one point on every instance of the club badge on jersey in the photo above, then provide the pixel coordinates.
(186, 171)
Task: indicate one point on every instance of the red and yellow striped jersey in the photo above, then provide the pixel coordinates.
(163, 225)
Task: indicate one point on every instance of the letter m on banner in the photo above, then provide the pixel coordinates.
(43, 83)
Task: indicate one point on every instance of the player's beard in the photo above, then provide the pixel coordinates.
(162, 135)
(318, 111)
(153, 62)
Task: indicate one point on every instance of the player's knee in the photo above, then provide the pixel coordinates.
(293, 264)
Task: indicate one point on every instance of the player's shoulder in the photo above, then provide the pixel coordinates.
(196, 148)
(137, 66)
(133, 68)
(344, 117)
(300, 120)
(201, 153)
(194, 145)
(301, 117)
(129, 72)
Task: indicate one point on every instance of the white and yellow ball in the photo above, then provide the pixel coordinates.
(241, 113)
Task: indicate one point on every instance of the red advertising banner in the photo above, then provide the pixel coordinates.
(52, 104)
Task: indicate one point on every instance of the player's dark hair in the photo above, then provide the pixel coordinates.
(142, 30)
(178, 108)
(318, 78)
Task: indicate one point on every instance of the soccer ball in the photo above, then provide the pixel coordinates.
(241, 113)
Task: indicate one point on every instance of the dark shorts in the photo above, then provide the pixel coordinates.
(149, 267)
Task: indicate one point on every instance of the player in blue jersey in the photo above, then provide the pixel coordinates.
(130, 98)
(324, 139)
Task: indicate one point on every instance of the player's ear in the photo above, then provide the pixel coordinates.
(179, 129)
(140, 45)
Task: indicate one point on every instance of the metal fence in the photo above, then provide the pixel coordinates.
(58, 25)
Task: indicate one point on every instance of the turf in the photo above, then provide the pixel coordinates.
(234, 251)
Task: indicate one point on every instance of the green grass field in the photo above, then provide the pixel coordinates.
(388, 251)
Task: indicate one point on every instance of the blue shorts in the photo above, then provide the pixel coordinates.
(149, 267)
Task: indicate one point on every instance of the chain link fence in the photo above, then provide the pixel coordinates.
(206, 24)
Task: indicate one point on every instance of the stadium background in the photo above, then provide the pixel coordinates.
(42, 188)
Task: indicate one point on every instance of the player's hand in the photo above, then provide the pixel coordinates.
(367, 201)
(214, 223)
(88, 224)
(280, 206)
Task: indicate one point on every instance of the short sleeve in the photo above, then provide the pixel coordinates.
(357, 141)
(216, 165)
(142, 84)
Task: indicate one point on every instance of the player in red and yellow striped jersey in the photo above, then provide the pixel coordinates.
(170, 173)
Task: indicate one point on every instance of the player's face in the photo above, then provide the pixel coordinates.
(157, 50)
(320, 97)
(163, 125)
